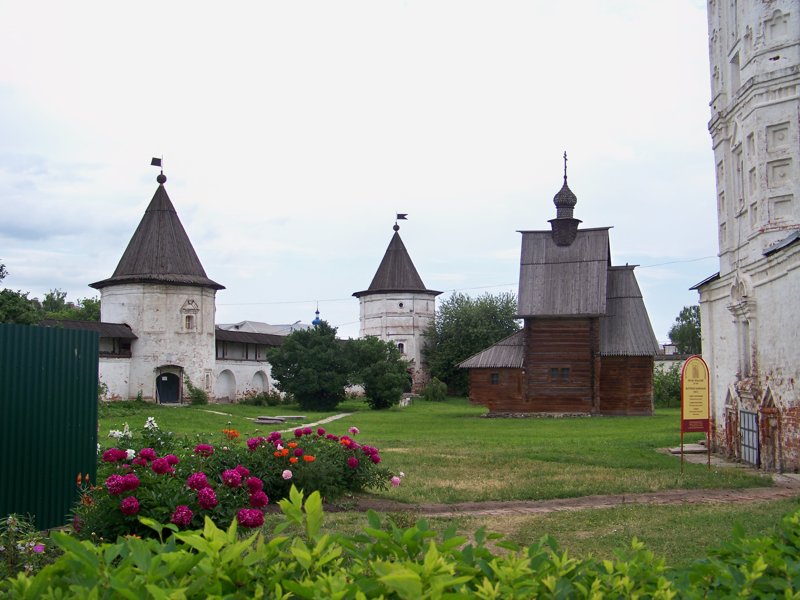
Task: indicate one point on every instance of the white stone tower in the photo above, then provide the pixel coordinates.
(397, 307)
(161, 291)
(749, 309)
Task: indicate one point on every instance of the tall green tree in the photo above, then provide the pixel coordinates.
(463, 326)
(685, 333)
(381, 369)
(56, 306)
(312, 366)
(16, 307)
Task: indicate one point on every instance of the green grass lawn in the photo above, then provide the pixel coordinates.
(449, 453)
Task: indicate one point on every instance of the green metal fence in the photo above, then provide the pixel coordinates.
(48, 419)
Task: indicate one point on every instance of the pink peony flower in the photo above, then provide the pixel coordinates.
(203, 449)
(272, 437)
(172, 459)
(375, 458)
(353, 431)
(298, 452)
(320, 431)
(206, 498)
(395, 481)
(197, 481)
(254, 484)
(250, 517)
(139, 461)
(160, 466)
(258, 499)
(243, 471)
(114, 455)
(182, 516)
(352, 462)
(254, 443)
(307, 431)
(130, 482)
(148, 454)
(287, 474)
(231, 478)
(115, 484)
(298, 433)
(129, 506)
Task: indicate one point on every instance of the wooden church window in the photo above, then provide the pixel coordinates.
(494, 378)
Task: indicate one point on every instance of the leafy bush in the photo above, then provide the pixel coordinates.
(435, 391)
(168, 481)
(297, 560)
(22, 547)
(667, 386)
(380, 368)
(270, 398)
(197, 396)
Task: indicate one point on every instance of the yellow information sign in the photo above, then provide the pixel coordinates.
(694, 395)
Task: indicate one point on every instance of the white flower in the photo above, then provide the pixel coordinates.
(150, 423)
(402, 474)
(115, 433)
(98, 448)
(131, 453)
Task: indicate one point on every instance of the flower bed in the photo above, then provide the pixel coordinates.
(183, 484)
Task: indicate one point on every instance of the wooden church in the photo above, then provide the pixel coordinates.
(587, 346)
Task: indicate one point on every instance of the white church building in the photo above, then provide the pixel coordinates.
(749, 309)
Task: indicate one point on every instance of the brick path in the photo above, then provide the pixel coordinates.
(786, 486)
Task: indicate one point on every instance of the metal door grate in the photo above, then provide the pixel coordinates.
(748, 434)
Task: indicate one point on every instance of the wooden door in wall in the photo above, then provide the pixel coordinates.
(168, 386)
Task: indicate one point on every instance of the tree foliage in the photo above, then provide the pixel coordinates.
(667, 386)
(311, 365)
(685, 333)
(380, 368)
(463, 326)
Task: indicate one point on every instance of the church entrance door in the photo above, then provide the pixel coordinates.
(168, 386)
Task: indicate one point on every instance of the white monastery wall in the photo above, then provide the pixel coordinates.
(235, 378)
(115, 373)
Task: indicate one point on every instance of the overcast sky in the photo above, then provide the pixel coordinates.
(293, 132)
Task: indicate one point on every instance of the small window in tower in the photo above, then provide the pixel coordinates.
(402, 347)
(189, 322)
(494, 378)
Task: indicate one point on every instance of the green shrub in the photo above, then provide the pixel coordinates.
(22, 548)
(667, 386)
(270, 398)
(197, 396)
(296, 560)
(435, 391)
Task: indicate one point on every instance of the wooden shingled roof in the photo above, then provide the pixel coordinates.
(396, 273)
(160, 250)
(106, 330)
(508, 353)
(625, 329)
(563, 281)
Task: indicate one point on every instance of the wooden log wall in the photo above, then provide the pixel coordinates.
(560, 365)
(626, 385)
(505, 396)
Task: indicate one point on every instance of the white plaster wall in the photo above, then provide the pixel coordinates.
(382, 316)
(115, 373)
(154, 314)
(243, 372)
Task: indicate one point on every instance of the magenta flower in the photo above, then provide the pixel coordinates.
(197, 481)
(375, 458)
(130, 482)
(38, 548)
(298, 433)
(287, 474)
(258, 499)
(275, 435)
(330, 436)
(395, 481)
(203, 449)
(352, 462)
(320, 431)
(139, 461)
(182, 516)
(307, 431)
(172, 459)
(148, 454)
(231, 478)
(114, 455)
(115, 484)
(254, 443)
(353, 431)
(298, 452)
(129, 506)
(254, 484)
(206, 498)
(160, 466)
(243, 471)
(250, 517)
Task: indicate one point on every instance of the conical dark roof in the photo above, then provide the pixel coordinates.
(396, 272)
(160, 250)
